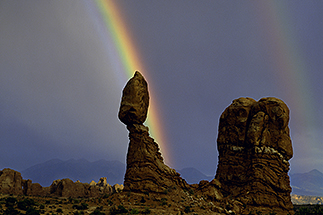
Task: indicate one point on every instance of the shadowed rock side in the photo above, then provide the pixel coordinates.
(135, 101)
(254, 148)
(146, 171)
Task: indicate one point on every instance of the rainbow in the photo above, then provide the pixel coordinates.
(290, 66)
(126, 60)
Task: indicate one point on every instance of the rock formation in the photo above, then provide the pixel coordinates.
(254, 148)
(135, 101)
(146, 171)
(11, 182)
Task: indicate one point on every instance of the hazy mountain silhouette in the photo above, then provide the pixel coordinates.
(193, 176)
(309, 183)
(82, 170)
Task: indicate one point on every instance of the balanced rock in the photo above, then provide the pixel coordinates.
(254, 149)
(146, 171)
(135, 101)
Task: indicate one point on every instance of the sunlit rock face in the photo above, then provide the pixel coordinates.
(11, 182)
(254, 149)
(146, 171)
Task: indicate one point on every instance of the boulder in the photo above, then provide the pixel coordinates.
(135, 101)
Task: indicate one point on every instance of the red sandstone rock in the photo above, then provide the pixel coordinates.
(254, 149)
(11, 182)
(146, 171)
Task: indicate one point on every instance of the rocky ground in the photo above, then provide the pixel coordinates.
(123, 203)
(175, 202)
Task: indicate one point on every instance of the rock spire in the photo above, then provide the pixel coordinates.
(146, 171)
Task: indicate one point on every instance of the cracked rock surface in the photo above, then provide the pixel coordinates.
(254, 148)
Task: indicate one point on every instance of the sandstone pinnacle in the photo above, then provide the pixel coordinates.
(135, 101)
(254, 148)
(146, 171)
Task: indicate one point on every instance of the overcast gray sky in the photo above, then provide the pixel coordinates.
(59, 93)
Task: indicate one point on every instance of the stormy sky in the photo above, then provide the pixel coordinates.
(60, 93)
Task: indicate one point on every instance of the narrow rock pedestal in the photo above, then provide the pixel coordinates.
(146, 171)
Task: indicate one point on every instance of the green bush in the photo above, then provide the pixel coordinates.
(119, 210)
(146, 211)
(187, 209)
(97, 212)
(25, 204)
(110, 202)
(163, 201)
(32, 211)
(142, 200)
(11, 211)
(82, 206)
(134, 211)
(59, 210)
(10, 201)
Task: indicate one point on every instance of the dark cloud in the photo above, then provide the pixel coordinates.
(60, 92)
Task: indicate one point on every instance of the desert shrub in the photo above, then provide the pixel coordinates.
(32, 211)
(142, 200)
(146, 211)
(82, 206)
(191, 191)
(105, 196)
(134, 211)
(146, 193)
(119, 210)
(110, 202)
(59, 210)
(10, 201)
(11, 211)
(187, 209)
(25, 204)
(303, 211)
(163, 201)
(97, 212)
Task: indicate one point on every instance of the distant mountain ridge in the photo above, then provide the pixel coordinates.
(304, 184)
(307, 184)
(82, 170)
(193, 176)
